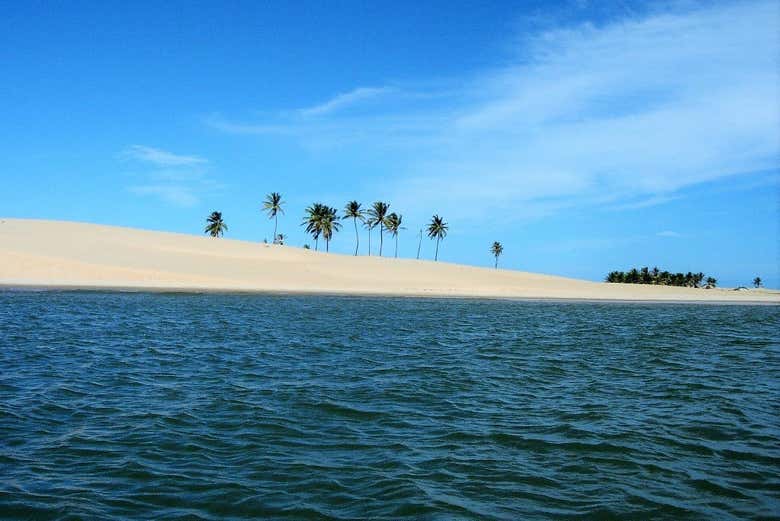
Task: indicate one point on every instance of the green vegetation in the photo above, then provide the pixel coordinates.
(273, 207)
(215, 226)
(437, 229)
(322, 220)
(757, 282)
(377, 215)
(393, 224)
(660, 278)
(352, 211)
(497, 249)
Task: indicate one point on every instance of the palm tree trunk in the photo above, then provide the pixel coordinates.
(381, 236)
(327, 244)
(496, 265)
(357, 237)
(396, 246)
(316, 243)
(276, 217)
(369, 242)
(437, 250)
(419, 245)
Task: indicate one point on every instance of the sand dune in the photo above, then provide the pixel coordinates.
(77, 255)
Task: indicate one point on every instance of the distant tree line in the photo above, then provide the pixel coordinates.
(661, 278)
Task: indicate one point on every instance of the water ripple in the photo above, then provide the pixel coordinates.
(142, 406)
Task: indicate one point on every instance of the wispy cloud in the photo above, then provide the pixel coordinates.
(626, 114)
(668, 233)
(174, 179)
(345, 100)
(160, 157)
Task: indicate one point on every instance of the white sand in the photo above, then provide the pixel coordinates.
(76, 255)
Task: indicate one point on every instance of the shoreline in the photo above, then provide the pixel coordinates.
(163, 290)
(38, 255)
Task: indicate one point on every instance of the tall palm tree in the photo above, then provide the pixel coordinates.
(393, 223)
(313, 222)
(378, 213)
(497, 249)
(273, 207)
(352, 210)
(329, 224)
(437, 229)
(370, 224)
(215, 226)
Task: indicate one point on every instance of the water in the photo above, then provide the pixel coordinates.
(143, 406)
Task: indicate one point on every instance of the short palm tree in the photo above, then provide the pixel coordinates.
(273, 207)
(215, 226)
(437, 229)
(353, 211)
(378, 214)
(497, 249)
(757, 282)
(393, 223)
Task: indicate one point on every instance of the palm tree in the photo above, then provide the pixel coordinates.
(378, 213)
(393, 223)
(215, 226)
(369, 223)
(497, 249)
(313, 222)
(322, 220)
(273, 207)
(329, 224)
(757, 282)
(711, 282)
(437, 229)
(352, 210)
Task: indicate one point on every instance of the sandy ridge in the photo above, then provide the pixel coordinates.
(60, 254)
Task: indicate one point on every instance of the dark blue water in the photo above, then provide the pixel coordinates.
(143, 406)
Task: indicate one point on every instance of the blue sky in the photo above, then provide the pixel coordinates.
(585, 136)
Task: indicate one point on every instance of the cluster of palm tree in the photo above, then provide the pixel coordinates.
(321, 219)
(661, 278)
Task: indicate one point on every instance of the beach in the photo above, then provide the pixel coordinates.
(70, 255)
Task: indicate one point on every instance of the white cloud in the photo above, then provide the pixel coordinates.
(668, 233)
(161, 157)
(174, 179)
(345, 100)
(626, 114)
